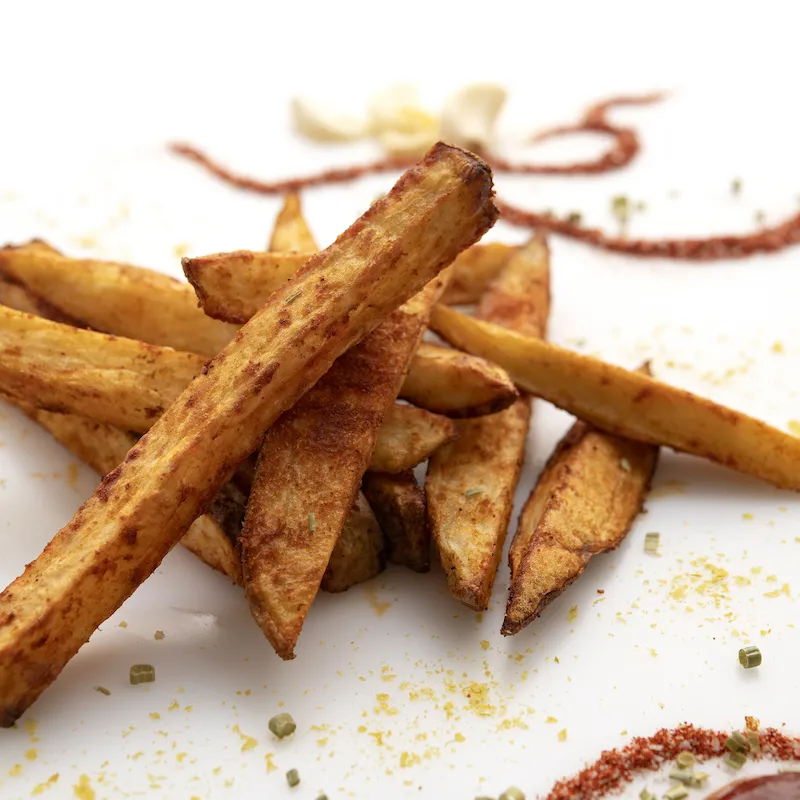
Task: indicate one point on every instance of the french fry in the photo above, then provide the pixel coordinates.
(144, 506)
(19, 297)
(310, 469)
(630, 404)
(450, 382)
(470, 483)
(474, 270)
(399, 505)
(584, 503)
(358, 555)
(291, 232)
(117, 298)
(409, 435)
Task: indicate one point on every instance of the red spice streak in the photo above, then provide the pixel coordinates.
(623, 149)
(617, 767)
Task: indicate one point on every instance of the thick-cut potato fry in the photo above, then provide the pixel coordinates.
(409, 435)
(474, 270)
(232, 286)
(358, 555)
(144, 506)
(584, 503)
(291, 232)
(17, 296)
(471, 481)
(628, 403)
(450, 382)
(310, 468)
(60, 368)
(399, 505)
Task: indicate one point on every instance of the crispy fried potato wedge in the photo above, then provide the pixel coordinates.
(118, 381)
(128, 384)
(399, 505)
(474, 270)
(358, 555)
(584, 503)
(450, 382)
(291, 232)
(310, 469)
(233, 286)
(17, 296)
(471, 481)
(129, 301)
(630, 404)
(145, 506)
(409, 435)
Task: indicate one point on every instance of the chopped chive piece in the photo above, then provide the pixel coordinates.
(754, 740)
(512, 793)
(474, 490)
(685, 760)
(736, 186)
(682, 775)
(736, 743)
(760, 216)
(292, 777)
(142, 673)
(735, 760)
(645, 795)
(574, 217)
(651, 541)
(676, 793)
(625, 464)
(789, 768)
(750, 657)
(102, 690)
(699, 778)
(323, 797)
(621, 209)
(159, 635)
(312, 523)
(292, 297)
(282, 725)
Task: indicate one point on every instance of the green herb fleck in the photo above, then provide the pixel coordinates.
(102, 690)
(735, 760)
(282, 725)
(473, 491)
(759, 217)
(685, 760)
(574, 218)
(736, 743)
(312, 523)
(646, 795)
(699, 778)
(676, 793)
(651, 542)
(682, 775)
(736, 186)
(142, 673)
(293, 777)
(621, 209)
(159, 635)
(754, 740)
(123, 624)
(292, 297)
(750, 657)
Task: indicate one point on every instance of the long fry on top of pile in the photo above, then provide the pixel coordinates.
(629, 404)
(142, 508)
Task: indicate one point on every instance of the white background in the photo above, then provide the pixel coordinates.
(91, 93)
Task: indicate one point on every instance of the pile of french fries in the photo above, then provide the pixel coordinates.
(261, 429)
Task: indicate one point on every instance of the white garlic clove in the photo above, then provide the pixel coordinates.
(470, 114)
(401, 143)
(318, 123)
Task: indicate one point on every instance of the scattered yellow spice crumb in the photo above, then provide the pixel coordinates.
(155, 715)
(83, 789)
(31, 754)
(653, 652)
(179, 757)
(408, 759)
(777, 347)
(270, 763)
(550, 720)
(484, 644)
(40, 787)
(15, 770)
(173, 706)
(562, 735)
(573, 614)
(747, 516)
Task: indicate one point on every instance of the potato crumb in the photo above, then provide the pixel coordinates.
(154, 715)
(562, 735)
(573, 614)
(83, 789)
(31, 754)
(271, 767)
(15, 770)
(484, 644)
(550, 720)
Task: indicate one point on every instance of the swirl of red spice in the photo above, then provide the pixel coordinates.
(624, 147)
(615, 768)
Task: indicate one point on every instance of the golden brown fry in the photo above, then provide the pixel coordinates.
(409, 435)
(474, 270)
(584, 503)
(471, 481)
(628, 403)
(15, 295)
(60, 368)
(144, 506)
(310, 468)
(399, 505)
(233, 286)
(358, 555)
(117, 298)
(291, 232)
(450, 382)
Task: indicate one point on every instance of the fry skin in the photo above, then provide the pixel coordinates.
(144, 506)
(630, 404)
(471, 481)
(399, 505)
(310, 469)
(584, 503)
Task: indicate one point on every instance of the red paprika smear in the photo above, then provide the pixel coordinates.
(624, 147)
(615, 768)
